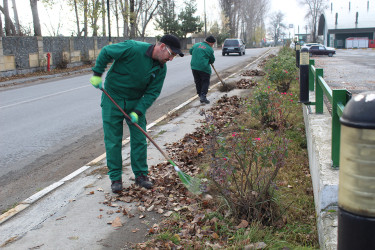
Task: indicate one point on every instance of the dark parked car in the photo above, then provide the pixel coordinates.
(233, 46)
(321, 50)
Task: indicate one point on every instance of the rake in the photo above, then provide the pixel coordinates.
(225, 86)
(191, 183)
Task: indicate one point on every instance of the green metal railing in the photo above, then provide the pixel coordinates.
(338, 99)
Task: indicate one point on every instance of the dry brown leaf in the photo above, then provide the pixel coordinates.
(167, 214)
(243, 224)
(117, 222)
(215, 235)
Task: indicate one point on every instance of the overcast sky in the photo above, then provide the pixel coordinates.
(294, 14)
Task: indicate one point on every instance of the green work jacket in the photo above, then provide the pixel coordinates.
(202, 57)
(134, 75)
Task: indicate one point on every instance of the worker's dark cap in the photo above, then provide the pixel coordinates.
(172, 42)
(210, 39)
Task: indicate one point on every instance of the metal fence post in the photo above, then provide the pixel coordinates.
(311, 75)
(356, 215)
(338, 96)
(318, 92)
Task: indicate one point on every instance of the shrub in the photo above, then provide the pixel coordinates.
(271, 107)
(244, 166)
(281, 70)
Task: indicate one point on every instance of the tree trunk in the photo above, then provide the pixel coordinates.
(36, 21)
(116, 15)
(9, 26)
(85, 18)
(124, 5)
(132, 19)
(1, 25)
(103, 17)
(77, 18)
(16, 20)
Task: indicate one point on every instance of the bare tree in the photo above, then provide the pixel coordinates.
(231, 9)
(277, 26)
(1, 27)
(9, 26)
(16, 20)
(94, 12)
(124, 9)
(314, 9)
(36, 21)
(132, 18)
(116, 16)
(103, 18)
(77, 18)
(147, 11)
(252, 17)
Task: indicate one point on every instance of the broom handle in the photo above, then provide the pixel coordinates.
(221, 80)
(135, 124)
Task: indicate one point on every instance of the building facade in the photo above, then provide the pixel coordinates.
(348, 20)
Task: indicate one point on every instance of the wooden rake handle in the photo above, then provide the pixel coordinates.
(221, 80)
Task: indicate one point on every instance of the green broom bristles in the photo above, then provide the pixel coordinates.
(191, 183)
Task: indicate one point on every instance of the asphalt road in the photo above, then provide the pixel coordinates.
(349, 69)
(50, 128)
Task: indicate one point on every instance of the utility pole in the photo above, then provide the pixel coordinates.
(205, 24)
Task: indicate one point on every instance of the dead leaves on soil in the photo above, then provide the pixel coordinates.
(169, 195)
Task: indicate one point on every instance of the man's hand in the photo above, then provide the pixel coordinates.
(134, 117)
(96, 81)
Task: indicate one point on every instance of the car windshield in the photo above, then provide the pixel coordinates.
(231, 43)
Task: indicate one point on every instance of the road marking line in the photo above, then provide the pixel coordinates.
(35, 99)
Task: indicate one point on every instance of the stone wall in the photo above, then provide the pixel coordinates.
(21, 55)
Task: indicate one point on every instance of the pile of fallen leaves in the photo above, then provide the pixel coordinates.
(246, 83)
(263, 62)
(169, 195)
(253, 72)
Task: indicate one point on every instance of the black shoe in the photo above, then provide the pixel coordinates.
(116, 186)
(143, 182)
(204, 100)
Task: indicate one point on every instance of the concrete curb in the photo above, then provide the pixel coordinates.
(325, 179)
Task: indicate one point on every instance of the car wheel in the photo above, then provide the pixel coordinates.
(223, 53)
(330, 54)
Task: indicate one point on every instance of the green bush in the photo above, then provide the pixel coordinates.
(281, 70)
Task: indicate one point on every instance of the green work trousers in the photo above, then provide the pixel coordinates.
(113, 120)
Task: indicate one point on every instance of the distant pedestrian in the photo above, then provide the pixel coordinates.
(201, 60)
(134, 81)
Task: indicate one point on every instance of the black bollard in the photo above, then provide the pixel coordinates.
(356, 215)
(304, 76)
(298, 48)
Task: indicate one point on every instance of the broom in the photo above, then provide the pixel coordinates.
(225, 87)
(191, 183)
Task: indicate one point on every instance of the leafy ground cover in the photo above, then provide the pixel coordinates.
(250, 153)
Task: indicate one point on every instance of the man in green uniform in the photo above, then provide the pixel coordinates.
(202, 56)
(134, 81)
